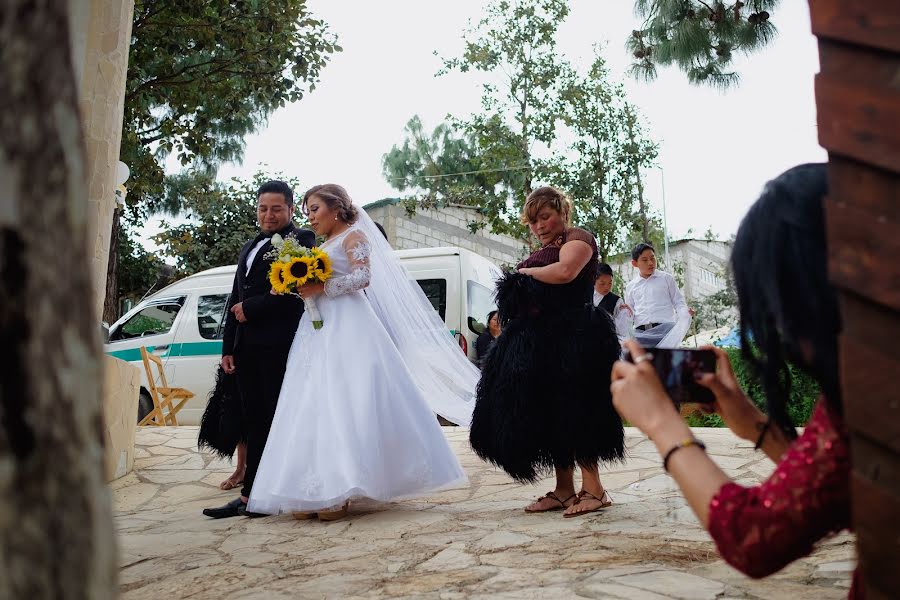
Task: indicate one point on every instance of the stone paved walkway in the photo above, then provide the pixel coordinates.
(473, 542)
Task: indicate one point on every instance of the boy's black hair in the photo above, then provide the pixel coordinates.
(604, 269)
(639, 249)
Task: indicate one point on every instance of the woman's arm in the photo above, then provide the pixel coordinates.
(758, 529)
(573, 255)
(741, 416)
(358, 249)
(640, 398)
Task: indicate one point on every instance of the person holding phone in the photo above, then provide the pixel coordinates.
(779, 262)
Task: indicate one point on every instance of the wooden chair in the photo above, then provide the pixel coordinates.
(167, 401)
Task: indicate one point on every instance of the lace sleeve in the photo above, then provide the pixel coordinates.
(759, 530)
(358, 249)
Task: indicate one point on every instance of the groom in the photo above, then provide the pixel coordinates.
(259, 329)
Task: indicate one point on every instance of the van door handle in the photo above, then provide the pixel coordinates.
(160, 349)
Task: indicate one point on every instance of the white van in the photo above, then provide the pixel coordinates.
(183, 323)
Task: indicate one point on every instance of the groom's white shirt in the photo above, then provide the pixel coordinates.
(252, 256)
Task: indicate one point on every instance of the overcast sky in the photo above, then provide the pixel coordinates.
(716, 149)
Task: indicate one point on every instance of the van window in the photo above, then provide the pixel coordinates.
(151, 320)
(480, 300)
(436, 292)
(211, 315)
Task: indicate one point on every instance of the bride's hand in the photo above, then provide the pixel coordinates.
(311, 290)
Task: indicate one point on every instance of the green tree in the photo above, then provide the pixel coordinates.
(718, 309)
(700, 38)
(521, 104)
(438, 167)
(201, 76)
(221, 218)
(140, 270)
(601, 168)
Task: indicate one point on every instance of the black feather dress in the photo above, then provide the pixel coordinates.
(222, 423)
(543, 400)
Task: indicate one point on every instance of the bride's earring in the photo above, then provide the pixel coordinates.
(335, 217)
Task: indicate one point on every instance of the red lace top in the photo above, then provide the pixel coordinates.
(758, 530)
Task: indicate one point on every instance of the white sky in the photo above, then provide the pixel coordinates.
(717, 149)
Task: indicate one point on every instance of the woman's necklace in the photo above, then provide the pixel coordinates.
(557, 241)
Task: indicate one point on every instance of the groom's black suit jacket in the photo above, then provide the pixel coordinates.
(271, 320)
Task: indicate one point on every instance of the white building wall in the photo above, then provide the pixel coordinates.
(444, 226)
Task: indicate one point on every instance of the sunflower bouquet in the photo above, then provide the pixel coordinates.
(294, 265)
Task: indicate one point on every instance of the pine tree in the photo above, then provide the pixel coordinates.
(521, 105)
(700, 38)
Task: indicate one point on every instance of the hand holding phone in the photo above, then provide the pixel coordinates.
(678, 370)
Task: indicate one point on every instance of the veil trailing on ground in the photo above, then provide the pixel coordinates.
(437, 364)
(665, 335)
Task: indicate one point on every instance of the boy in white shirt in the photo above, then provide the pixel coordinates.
(660, 311)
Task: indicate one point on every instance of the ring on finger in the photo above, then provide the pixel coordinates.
(642, 358)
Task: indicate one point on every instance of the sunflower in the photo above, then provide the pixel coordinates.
(321, 265)
(276, 277)
(298, 270)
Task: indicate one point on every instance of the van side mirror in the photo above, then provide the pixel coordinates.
(104, 331)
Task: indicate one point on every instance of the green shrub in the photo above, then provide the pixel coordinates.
(804, 393)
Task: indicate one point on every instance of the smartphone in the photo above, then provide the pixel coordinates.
(677, 369)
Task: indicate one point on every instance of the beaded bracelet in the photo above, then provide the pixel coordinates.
(691, 441)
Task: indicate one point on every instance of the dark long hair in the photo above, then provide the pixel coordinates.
(789, 310)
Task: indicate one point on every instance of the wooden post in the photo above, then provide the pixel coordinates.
(858, 102)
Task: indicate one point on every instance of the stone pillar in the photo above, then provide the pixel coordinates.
(101, 38)
(122, 382)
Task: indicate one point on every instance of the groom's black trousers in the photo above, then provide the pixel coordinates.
(260, 371)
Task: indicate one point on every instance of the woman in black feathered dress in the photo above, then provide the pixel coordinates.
(544, 401)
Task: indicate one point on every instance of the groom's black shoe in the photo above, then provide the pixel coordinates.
(253, 515)
(232, 509)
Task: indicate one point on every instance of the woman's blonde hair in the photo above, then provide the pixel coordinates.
(546, 196)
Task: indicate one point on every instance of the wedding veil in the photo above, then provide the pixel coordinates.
(437, 364)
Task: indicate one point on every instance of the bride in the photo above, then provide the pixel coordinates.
(356, 414)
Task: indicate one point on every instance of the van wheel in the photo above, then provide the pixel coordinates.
(145, 405)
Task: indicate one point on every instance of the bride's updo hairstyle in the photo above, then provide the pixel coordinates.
(337, 199)
(545, 196)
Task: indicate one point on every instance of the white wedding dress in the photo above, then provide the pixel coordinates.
(351, 420)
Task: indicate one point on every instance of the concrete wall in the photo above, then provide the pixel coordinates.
(445, 226)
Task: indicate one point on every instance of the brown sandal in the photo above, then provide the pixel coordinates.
(230, 483)
(581, 495)
(555, 498)
(336, 514)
